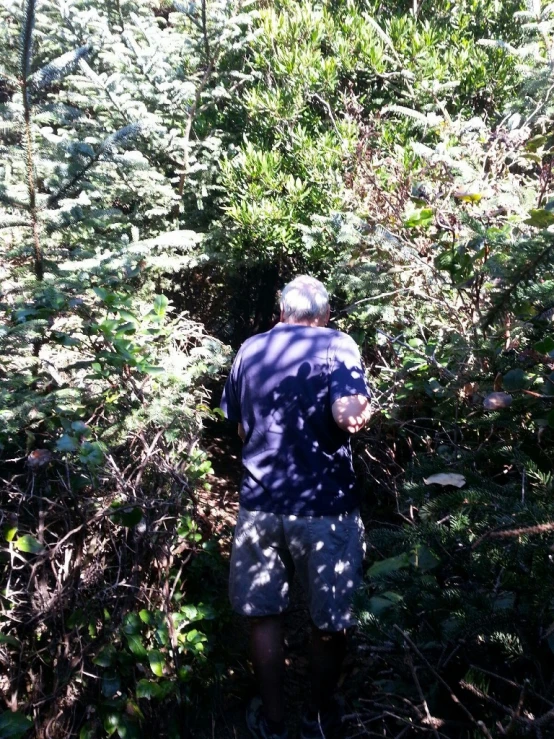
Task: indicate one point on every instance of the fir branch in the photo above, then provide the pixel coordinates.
(108, 147)
(26, 41)
(6, 126)
(521, 275)
(127, 132)
(10, 221)
(5, 76)
(58, 68)
(12, 202)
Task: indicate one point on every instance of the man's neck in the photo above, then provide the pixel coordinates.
(313, 324)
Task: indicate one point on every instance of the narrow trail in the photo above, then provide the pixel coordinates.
(225, 718)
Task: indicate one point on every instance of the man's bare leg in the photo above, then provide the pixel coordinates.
(328, 651)
(268, 660)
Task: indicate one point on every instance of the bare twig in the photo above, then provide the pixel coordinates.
(479, 724)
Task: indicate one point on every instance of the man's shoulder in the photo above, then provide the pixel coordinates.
(284, 334)
(254, 341)
(339, 338)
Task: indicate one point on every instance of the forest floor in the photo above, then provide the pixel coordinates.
(224, 718)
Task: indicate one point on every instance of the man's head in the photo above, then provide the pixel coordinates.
(306, 301)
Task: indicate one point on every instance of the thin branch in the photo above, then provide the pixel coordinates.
(479, 724)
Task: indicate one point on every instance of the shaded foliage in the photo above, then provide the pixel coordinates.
(165, 168)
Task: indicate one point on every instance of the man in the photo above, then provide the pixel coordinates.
(297, 392)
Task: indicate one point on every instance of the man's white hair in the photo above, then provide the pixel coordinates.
(304, 299)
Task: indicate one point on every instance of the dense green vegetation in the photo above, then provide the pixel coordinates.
(165, 167)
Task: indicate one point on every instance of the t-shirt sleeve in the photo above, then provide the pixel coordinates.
(346, 371)
(230, 400)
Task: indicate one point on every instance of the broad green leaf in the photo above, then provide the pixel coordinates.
(104, 657)
(545, 346)
(167, 688)
(162, 634)
(132, 710)
(10, 532)
(151, 369)
(132, 623)
(146, 616)
(112, 721)
(535, 142)
(185, 673)
(515, 379)
(540, 218)
(378, 604)
(125, 329)
(80, 428)
(419, 218)
(206, 612)
(386, 566)
(392, 596)
(128, 729)
(136, 646)
(102, 294)
(111, 683)
(88, 731)
(14, 725)
(128, 316)
(11, 640)
(147, 689)
(28, 544)
(92, 453)
(189, 612)
(67, 443)
(423, 558)
(160, 305)
(157, 662)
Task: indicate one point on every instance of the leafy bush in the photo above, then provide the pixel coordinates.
(165, 166)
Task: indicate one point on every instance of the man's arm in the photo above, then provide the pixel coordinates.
(351, 413)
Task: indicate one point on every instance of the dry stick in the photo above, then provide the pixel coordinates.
(479, 724)
(430, 719)
(513, 720)
(150, 451)
(480, 694)
(401, 734)
(539, 528)
(499, 677)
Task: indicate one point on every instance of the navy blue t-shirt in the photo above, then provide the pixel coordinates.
(282, 385)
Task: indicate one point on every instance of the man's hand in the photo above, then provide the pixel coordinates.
(351, 413)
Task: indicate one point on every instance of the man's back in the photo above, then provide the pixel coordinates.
(281, 389)
(297, 392)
